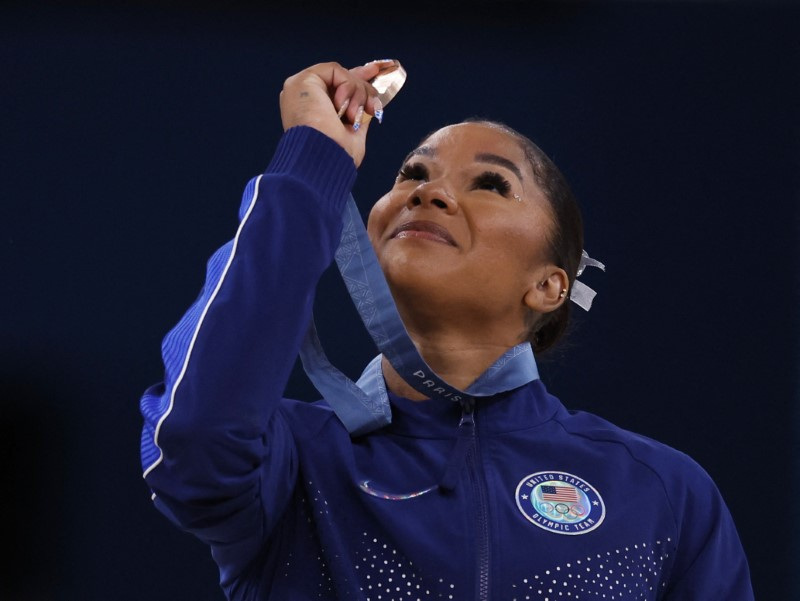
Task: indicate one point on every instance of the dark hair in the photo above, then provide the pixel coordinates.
(565, 241)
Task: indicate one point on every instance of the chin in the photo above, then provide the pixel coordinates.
(419, 276)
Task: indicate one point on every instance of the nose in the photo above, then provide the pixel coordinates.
(432, 194)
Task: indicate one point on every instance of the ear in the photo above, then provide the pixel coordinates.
(548, 291)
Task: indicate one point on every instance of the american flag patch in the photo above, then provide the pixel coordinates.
(563, 494)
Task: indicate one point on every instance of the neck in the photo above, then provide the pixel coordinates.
(457, 361)
(459, 341)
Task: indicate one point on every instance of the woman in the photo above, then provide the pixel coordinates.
(512, 498)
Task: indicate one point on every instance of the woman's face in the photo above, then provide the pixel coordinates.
(465, 222)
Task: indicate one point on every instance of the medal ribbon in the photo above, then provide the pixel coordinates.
(364, 407)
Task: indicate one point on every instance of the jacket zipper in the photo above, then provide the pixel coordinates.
(466, 451)
(479, 488)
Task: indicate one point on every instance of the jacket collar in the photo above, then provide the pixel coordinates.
(525, 407)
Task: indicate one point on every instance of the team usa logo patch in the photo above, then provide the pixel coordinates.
(560, 502)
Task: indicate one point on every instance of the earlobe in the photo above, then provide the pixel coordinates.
(549, 292)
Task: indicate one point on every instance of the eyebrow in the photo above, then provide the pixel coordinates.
(423, 150)
(485, 157)
(498, 160)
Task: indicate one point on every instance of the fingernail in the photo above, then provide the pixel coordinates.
(379, 110)
(359, 116)
(343, 108)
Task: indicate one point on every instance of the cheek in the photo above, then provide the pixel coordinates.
(520, 241)
(379, 217)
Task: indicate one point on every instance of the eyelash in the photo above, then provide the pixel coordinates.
(495, 180)
(485, 181)
(412, 171)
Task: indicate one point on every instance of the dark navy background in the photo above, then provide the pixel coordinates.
(128, 132)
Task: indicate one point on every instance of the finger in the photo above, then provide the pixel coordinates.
(342, 97)
(371, 69)
(343, 108)
(374, 107)
(333, 76)
(353, 97)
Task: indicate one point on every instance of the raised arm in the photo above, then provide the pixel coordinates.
(215, 452)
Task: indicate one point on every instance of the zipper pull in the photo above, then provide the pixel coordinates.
(466, 436)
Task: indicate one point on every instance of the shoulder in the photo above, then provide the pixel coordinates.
(680, 475)
(708, 561)
(706, 541)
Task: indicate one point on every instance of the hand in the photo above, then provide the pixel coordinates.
(336, 101)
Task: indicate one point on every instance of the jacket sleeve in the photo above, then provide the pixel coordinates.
(710, 563)
(217, 456)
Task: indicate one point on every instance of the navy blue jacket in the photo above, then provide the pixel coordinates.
(549, 504)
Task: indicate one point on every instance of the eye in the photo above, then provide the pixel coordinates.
(412, 171)
(493, 182)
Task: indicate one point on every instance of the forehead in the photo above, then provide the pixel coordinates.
(475, 138)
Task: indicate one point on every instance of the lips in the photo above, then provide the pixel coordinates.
(426, 230)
